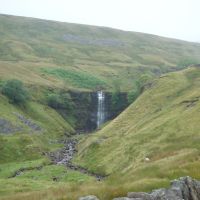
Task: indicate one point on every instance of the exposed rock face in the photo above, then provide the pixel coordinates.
(90, 197)
(6, 127)
(86, 108)
(28, 122)
(184, 188)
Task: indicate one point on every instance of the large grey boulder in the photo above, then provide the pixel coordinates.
(139, 195)
(124, 198)
(90, 197)
(184, 188)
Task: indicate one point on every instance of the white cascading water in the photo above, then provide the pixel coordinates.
(100, 108)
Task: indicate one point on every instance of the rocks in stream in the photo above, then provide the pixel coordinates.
(184, 188)
(65, 155)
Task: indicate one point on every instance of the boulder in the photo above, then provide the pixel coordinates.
(90, 197)
(141, 195)
(184, 188)
(124, 198)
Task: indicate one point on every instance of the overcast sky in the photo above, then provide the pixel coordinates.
(171, 18)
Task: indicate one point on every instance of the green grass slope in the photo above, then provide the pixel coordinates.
(153, 141)
(84, 57)
(19, 140)
(161, 125)
(23, 147)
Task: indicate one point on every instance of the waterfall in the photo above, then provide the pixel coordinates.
(100, 108)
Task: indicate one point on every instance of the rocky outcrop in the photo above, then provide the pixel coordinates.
(28, 122)
(85, 109)
(184, 188)
(6, 127)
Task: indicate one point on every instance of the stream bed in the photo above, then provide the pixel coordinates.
(65, 155)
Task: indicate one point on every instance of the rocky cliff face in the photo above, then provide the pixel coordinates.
(85, 111)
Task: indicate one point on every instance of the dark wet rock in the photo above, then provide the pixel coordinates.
(6, 127)
(55, 178)
(184, 188)
(90, 197)
(28, 122)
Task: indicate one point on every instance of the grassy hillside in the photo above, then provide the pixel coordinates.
(84, 57)
(25, 132)
(153, 141)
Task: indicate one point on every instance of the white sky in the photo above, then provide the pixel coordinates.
(171, 18)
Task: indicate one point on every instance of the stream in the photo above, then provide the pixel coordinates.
(65, 155)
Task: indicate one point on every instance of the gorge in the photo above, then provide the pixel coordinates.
(92, 109)
(97, 111)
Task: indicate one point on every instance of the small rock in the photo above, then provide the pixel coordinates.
(55, 179)
(90, 197)
(147, 159)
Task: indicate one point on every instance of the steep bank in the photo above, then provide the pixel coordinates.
(27, 132)
(155, 139)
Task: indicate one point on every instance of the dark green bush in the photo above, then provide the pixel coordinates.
(135, 92)
(119, 102)
(67, 101)
(15, 91)
(132, 95)
(54, 101)
(60, 101)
